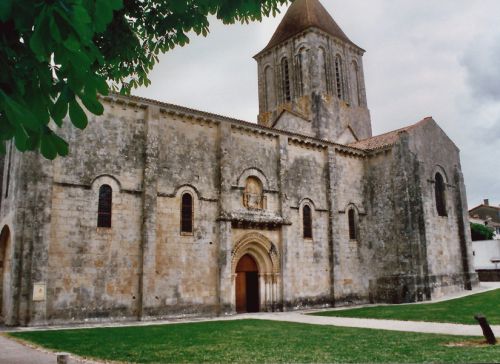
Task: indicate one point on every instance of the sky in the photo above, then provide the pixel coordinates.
(437, 58)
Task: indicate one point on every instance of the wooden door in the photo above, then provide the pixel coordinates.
(247, 285)
(241, 292)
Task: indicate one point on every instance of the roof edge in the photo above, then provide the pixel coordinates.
(216, 117)
(296, 34)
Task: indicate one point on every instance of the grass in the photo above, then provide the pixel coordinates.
(460, 310)
(257, 341)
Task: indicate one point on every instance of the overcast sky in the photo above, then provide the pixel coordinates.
(437, 58)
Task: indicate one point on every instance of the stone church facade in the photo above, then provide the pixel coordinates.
(161, 210)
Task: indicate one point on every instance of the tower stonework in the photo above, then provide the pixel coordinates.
(311, 78)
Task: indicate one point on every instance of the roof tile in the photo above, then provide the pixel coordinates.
(304, 14)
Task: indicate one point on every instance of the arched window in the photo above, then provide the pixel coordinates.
(300, 73)
(339, 77)
(307, 222)
(105, 206)
(353, 228)
(187, 213)
(440, 194)
(356, 87)
(285, 80)
(253, 197)
(269, 87)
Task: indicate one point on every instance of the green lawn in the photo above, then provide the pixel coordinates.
(256, 341)
(460, 310)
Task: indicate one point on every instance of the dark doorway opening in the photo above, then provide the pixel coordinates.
(4, 272)
(247, 285)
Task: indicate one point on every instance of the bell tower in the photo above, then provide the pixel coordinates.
(311, 78)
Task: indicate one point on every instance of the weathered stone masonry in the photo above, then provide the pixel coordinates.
(313, 150)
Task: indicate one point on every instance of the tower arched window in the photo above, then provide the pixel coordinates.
(285, 80)
(440, 194)
(104, 209)
(269, 88)
(339, 77)
(353, 226)
(357, 85)
(307, 222)
(300, 73)
(187, 213)
(323, 71)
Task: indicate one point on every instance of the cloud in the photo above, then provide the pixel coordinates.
(482, 65)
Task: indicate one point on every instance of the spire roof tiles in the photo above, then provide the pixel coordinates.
(304, 14)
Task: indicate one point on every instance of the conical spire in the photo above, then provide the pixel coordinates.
(304, 14)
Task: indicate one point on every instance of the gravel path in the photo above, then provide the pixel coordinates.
(12, 352)
(394, 325)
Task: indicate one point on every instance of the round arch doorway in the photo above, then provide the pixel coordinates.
(247, 285)
(5, 268)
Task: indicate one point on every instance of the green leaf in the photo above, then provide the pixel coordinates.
(47, 147)
(72, 43)
(6, 129)
(39, 38)
(92, 104)
(21, 138)
(33, 141)
(80, 62)
(54, 30)
(103, 14)
(116, 4)
(101, 85)
(38, 106)
(77, 115)
(80, 13)
(5, 9)
(59, 109)
(19, 114)
(61, 145)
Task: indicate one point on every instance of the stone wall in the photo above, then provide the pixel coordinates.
(307, 274)
(144, 267)
(449, 246)
(350, 264)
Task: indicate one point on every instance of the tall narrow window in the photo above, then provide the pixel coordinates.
(339, 77)
(285, 81)
(299, 64)
(440, 195)
(356, 87)
(269, 87)
(353, 229)
(187, 213)
(323, 68)
(307, 222)
(105, 206)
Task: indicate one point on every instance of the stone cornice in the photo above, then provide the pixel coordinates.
(143, 103)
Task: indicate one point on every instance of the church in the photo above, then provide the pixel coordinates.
(163, 211)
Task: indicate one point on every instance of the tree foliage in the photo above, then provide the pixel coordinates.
(481, 232)
(57, 56)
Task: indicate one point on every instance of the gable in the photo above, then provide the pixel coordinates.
(294, 123)
(347, 137)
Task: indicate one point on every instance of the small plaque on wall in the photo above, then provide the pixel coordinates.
(39, 292)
